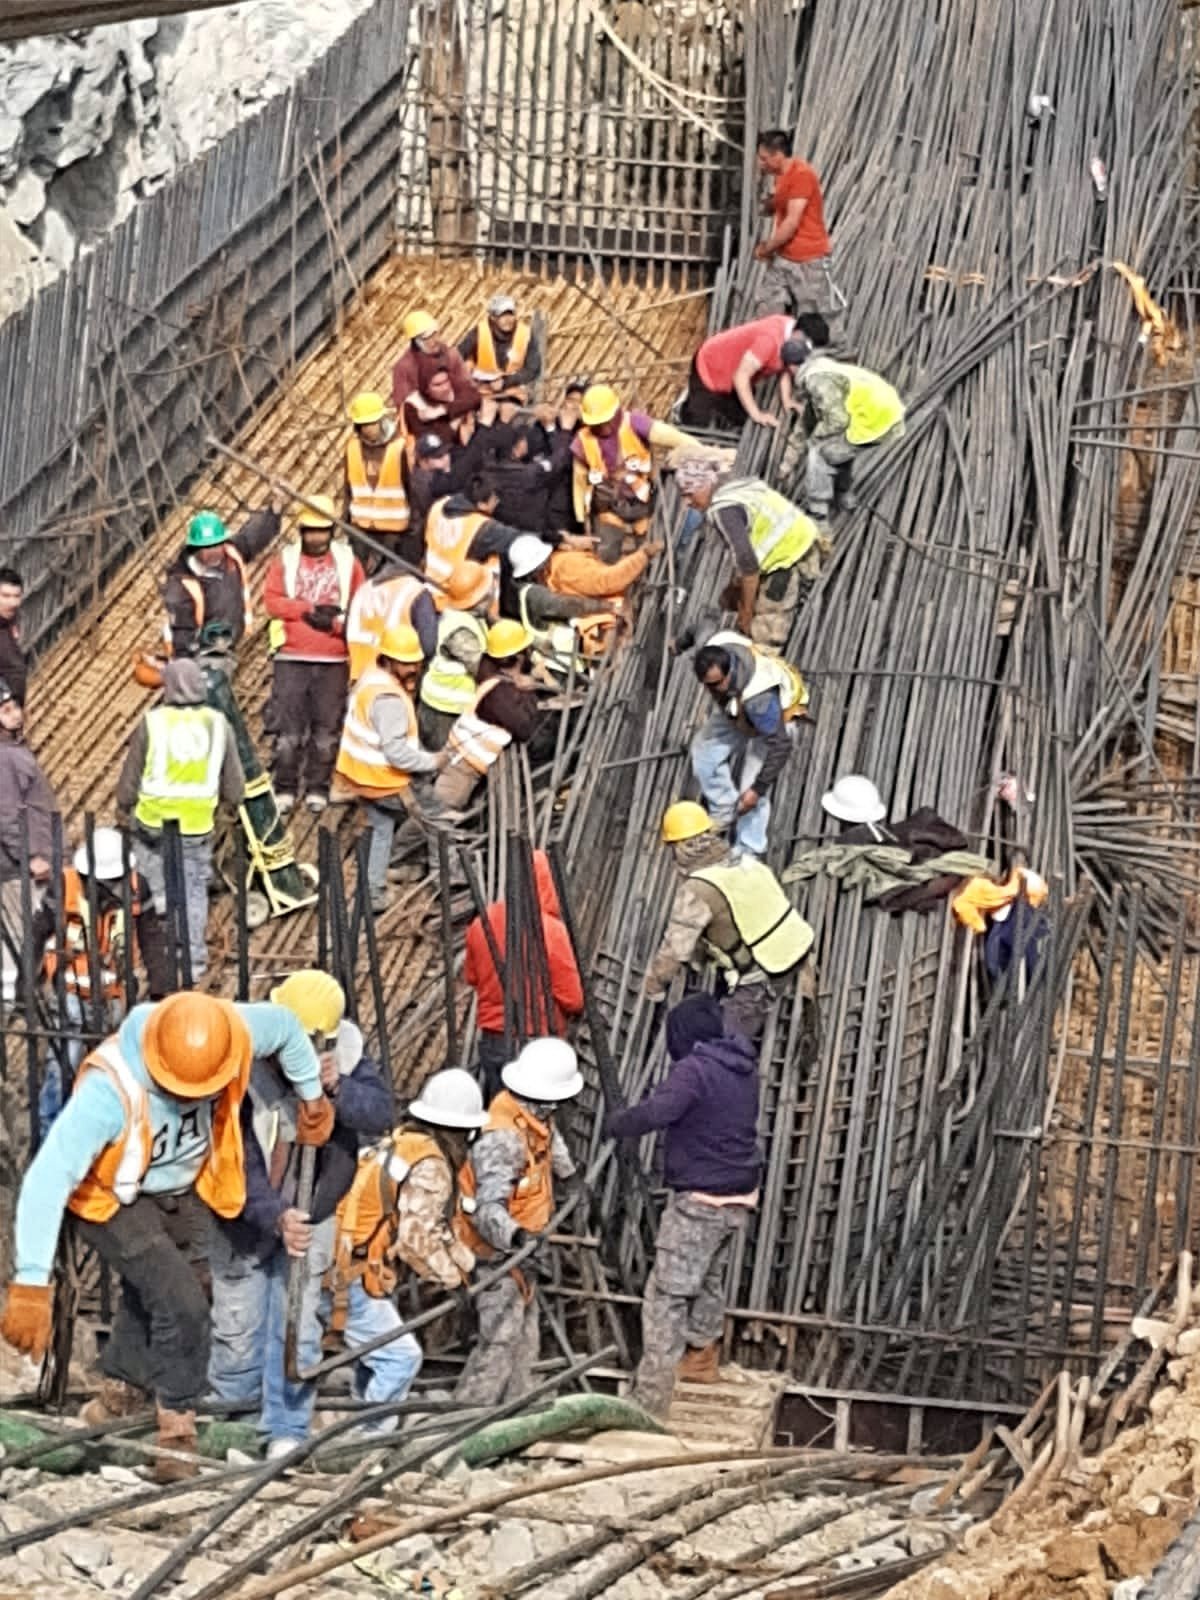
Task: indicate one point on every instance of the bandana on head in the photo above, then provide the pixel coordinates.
(696, 472)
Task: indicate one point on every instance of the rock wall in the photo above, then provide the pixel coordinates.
(92, 121)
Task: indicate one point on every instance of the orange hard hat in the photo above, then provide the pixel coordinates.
(148, 669)
(194, 1044)
(469, 583)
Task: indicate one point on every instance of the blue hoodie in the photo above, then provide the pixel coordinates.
(708, 1105)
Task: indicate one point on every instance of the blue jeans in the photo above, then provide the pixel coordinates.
(726, 762)
(249, 1323)
(385, 1374)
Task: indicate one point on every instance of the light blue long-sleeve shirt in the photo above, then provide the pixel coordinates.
(94, 1117)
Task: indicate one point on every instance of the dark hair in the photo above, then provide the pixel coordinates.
(481, 488)
(814, 328)
(777, 140)
(709, 656)
(12, 578)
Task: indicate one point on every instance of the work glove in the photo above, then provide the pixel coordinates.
(27, 1317)
(323, 618)
(314, 1123)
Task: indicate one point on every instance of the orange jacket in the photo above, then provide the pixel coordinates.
(576, 572)
(368, 1213)
(532, 1201)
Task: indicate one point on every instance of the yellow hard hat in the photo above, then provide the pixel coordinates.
(418, 323)
(684, 820)
(600, 404)
(367, 407)
(400, 643)
(322, 513)
(317, 1001)
(506, 639)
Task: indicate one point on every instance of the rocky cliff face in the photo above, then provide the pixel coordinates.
(92, 121)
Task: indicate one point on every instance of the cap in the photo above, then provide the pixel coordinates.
(501, 305)
(430, 445)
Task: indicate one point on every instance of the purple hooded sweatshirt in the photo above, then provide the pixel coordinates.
(708, 1105)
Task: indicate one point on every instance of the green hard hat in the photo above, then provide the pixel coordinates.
(206, 529)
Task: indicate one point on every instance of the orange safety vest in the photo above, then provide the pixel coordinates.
(378, 605)
(487, 364)
(194, 589)
(361, 763)
(380, 506)
(370, 1210)
(532, 1201)
(447, 540)
(635, 466)
(473, 741)
(116, 1175)
(77, 974)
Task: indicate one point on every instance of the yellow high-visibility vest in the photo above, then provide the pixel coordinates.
(773, 934)
(873, 405)
(770, 672)
(780, 532)
(447, 685)
(181, 780)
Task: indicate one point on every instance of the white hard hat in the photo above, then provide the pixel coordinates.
(107, 853)
(546, 1069)
(450, 1099)
(527, 553)
(854, 799)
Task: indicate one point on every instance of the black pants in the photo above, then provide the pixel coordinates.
(491, 1056)
(160, 1333)
(308, 707)
(704, 408)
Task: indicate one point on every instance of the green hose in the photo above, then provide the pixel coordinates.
(574, 1413)
(16, 1434)
(215, 1438)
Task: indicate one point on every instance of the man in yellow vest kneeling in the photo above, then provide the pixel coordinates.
(731, 910)
(152, 1127)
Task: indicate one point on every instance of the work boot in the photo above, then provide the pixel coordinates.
(176, 1431)
(285, 804)
(113, 1400)
(700, 1366)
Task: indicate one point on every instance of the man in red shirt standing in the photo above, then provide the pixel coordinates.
(308, 591)
(797, 276)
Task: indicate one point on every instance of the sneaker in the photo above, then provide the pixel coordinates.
(281, 1447)
(285, 804)
(316, 803)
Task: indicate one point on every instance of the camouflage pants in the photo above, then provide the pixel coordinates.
(780, 596)
(500, 1367)
(684, 1303)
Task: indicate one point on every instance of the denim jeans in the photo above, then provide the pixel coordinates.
(197, 870)
(385, 1374)
(249, 1324)
(726, 761)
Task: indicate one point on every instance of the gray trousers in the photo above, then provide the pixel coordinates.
(828, 469)
(684, 1303)
(197, 872)
(500, 1367)
(795, 287)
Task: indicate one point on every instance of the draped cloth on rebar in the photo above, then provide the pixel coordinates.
(878, 868)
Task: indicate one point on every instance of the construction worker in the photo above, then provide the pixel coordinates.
(728, 365)
(503, 711)
(451, 679)
(438, 409)
(577, 574)
(436, 471)
(707, 1109)
(153, 1127)
(566, 626)
(614, 468)
(309, 589)
(207, 583)
(464, 528)
(27, 807)
(427, 354)
(376, 499)
(181, 763)
(397, 1214)
(506, 1195)
(746, 740)
(846, 410)
(502, 351)
(388, 600)
(566, 987)
(731, 909)
(797, 276)
(100, 873)
(252, 1255)
(380, 760)
(775, 547)
(14, 664)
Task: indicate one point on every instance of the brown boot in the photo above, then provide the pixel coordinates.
(177, 1432)
(113, 1400)
(700, 1366)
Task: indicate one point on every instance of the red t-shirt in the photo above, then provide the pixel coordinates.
(799, 181)
(718, 358)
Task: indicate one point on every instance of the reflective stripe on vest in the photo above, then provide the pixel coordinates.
(447, 540)
(447, 685)
(383, 507)
(181, 781)
(872, 404)
(116, 1174)
(289, 560)
(378, 604)
(367, 1216)
(360, 759)
(475, 742)
(193, 587)
(780, 532)
(532, 1201)
(487, 364)
(770, 672)
(635, 464)
(773, 934)
(77, 969)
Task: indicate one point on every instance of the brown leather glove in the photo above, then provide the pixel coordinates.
(27, 1316)
(314, 1125)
